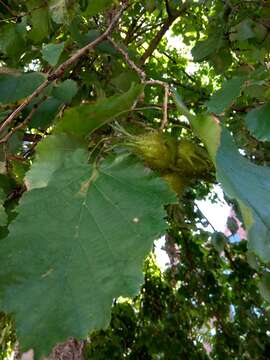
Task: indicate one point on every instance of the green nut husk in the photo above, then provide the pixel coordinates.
(176, 182)
(192, 159)
(158, 151)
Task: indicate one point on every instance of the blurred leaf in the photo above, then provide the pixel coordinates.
(232, 225)
(242, 31)
(219, 241)
(65, 91)
(3, 215)
(84, 119)
(58, 10)
(258, 122)
(264, 286)
(45, 114)
(225, 96)
(17, 87)
(52, 52)
(204, 48)
(40, 26)
(95, 7)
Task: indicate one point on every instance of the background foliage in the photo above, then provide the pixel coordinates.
(90, 153)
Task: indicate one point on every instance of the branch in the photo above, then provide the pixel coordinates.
(167, 24)
(142, 76)
(58, 73)
(130, 62)
(23, 123)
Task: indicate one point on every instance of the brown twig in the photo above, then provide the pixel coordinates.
(166, 87)
(58, 73)
(8, 8)
(165, 27)
(130, 62)
(142, 76)
(23, 123)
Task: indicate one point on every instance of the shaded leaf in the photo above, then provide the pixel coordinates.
(225, 96)
(65, 91)
(258, 122)
(204, 48)
(97, 6)
(50, 155)
(3, 215)
(11, 41)
(84, 119)
(40, 26)
(93, 228)
(17, 87)
(264, 286)
(58, 10)
(242, 31)
(52, 52)
(219, 241)
(46, 113)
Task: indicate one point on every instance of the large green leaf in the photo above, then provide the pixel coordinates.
(240, 179)
(93, 228)
(258, 122)
(50, 155)
(84, 119)
(17, 87)
(225, 96)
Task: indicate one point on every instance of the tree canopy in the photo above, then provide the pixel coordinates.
(116, 117)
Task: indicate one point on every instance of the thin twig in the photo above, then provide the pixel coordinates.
(142, 76)
(8, 8)
(23, 123)
(166, 87)
(165, 106)
(58, 73)
(130, 62)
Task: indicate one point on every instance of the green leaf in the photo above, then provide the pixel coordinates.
(11, 41)
(58, 10)
(225, 96)
(84, 119)
(17, 87)
(65, 91)
(45, 114)
(50, 155)
(205, 48)
(219, 241)
(97, 6)
(40, 26)
(3, 215)
(258, 122)
(242, 31)
(264, 286)
(242, 180)
(93, 228)
(52, 52)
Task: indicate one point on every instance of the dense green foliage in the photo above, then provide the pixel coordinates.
(108, 136)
